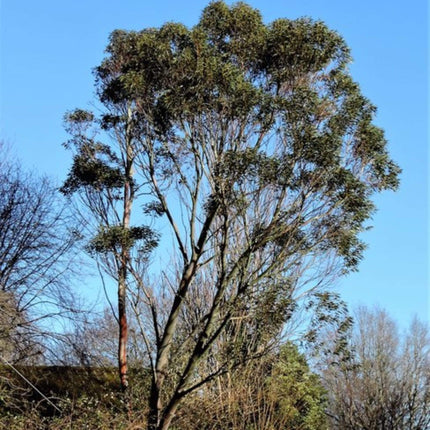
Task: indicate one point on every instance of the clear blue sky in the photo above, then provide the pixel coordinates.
(48, 49)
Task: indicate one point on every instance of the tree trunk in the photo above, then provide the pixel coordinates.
(167, 419)
(124, 260)
(154, 407)
(158, 419)
(123, 331)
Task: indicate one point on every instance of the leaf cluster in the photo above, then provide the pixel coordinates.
(111, 239)
(95, 164)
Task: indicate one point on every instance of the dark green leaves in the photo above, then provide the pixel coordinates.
(91, 172)
(94, 163)
(266, 111)
(239, 166)
(237, 32)
(297, 48)
(111, 239)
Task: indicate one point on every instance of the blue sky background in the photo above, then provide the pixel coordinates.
(49, 47)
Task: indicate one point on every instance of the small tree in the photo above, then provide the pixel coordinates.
(297, 392)
(253, 146)
(36, 262)
(386, 383)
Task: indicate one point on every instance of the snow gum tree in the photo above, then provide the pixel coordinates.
(254, 147)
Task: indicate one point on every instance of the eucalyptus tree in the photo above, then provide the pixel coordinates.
(253, 146)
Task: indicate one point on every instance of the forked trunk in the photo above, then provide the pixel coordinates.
(167, 418)
(157, 418)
